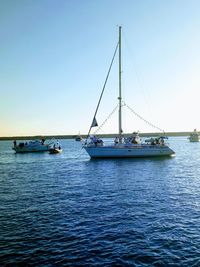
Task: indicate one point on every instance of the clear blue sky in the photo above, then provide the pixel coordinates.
(54, 56)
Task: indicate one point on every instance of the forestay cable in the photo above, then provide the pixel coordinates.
(94, 118)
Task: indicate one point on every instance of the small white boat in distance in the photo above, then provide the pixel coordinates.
(194, 136)
(31, 146)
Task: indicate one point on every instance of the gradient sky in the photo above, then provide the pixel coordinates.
(54, 57)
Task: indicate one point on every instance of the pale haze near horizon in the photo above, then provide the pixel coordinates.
(54, 57)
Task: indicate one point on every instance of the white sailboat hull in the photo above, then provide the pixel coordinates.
(128, 152)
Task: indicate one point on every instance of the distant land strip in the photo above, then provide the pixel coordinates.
(84, 136)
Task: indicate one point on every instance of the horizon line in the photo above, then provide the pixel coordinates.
(71, 136)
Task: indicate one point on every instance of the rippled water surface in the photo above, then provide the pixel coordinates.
(68, 210)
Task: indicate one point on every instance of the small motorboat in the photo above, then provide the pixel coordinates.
(55, 149)
(78, 137)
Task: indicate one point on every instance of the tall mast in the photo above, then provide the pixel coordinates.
(120, 97)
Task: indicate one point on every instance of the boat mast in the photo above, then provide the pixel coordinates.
(120, 97)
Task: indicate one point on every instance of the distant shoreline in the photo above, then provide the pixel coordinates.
(84, 136)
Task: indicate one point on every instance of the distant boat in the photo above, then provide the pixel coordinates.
(31, 146)
(123, 147)
(194, 136)
(78, 138)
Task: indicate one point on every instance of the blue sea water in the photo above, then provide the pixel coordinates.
(68, 210)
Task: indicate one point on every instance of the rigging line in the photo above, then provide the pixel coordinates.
(137, 71)
(99, 128)
(103, 88)
(140, 117)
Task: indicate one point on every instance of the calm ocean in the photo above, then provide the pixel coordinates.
(68, 210)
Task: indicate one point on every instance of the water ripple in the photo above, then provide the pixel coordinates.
(69, 211)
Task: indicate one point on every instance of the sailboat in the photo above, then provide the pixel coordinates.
(78, 137)
(121, 147)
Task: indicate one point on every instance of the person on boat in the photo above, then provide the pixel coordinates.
(93, 139)
(156, 141)
(15, 143)
(116, 141)
(96, 141)
(153, 141)
(99, 141)
(134, 141)
(161, 141)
